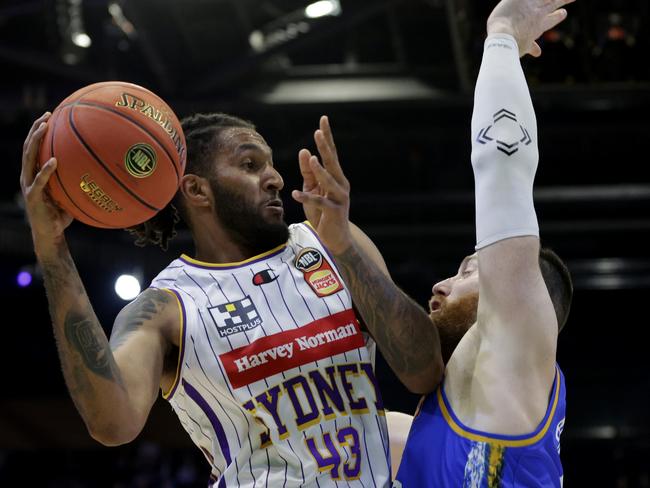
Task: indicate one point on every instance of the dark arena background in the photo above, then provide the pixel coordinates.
(396, 78)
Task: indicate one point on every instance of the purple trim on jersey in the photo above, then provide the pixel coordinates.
(216, 424)
(242, 265)
(170, 395)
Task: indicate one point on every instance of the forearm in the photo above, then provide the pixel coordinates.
(404, 333)
(504, 146)
(91, 374)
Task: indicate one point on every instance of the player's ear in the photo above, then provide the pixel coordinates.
(196, 190)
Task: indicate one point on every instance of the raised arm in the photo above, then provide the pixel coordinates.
(406, 337)
(516, 318)
(112, 385)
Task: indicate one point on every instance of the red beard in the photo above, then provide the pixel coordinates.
(453, 320)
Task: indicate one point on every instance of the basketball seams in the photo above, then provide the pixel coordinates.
(109, 108)
(103, 165)
(58, 177)
(84, 138)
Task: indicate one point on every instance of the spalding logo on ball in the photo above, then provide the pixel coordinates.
(120, 151)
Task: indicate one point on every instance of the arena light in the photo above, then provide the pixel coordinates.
(120, 20)
(322, 8)
(81, 39)
(24, 278)
(75, 40)
(127, 287)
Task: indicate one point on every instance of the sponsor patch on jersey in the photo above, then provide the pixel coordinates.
(318, 272)
(237, 316)
(264, 276)
(273, 354)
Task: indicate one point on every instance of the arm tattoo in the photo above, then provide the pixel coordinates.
(86, 336)
(401, 328)
(147, 306)
(81, 342)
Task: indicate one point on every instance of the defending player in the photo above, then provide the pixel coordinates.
(254, 341)
(497, 418)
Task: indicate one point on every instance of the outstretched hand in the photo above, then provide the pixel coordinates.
(325, 194)
(526, 20)
(46, 219)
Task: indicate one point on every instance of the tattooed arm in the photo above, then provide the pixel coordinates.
(408, 340)
(113, 385)
(406, 337)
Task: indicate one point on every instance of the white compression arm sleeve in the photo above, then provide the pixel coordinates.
(504, 146)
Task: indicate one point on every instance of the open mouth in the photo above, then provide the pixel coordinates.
(434, 306)
(275, 203)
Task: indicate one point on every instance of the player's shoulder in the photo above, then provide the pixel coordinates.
(153, 310)
(301, 230)
(168, 276)
(151, 303)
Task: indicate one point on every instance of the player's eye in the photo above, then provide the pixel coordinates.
(248, 164)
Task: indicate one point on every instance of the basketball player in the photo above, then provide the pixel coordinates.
(253, 340)
(496, 419)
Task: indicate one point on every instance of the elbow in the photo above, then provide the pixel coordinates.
(427, 380)
(113, 434)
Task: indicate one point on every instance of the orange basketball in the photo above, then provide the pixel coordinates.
(120, 151)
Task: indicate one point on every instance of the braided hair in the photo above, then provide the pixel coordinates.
(202, 135)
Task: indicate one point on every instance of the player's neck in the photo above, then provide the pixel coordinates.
(217, 246)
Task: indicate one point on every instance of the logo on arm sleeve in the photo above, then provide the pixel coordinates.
(510, 147)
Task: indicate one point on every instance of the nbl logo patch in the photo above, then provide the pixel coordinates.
(318, 273)
(237, 316)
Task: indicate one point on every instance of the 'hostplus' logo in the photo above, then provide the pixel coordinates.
(237, 316)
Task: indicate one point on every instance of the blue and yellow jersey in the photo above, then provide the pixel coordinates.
(442, 452)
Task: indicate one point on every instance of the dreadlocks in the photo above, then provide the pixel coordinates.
(202, 135)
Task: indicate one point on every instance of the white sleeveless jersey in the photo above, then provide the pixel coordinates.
(275, 382)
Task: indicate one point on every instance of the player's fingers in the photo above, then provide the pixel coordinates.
(309, 180)
(561, 3)
(326, 146)
(30, 154)
(35, 125)
(324, 178)
(553, 19)
(535, 51)
(43, 176)
(328, 155)
(317, 201)
(327, 132)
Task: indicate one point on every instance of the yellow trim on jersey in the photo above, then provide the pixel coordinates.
(461, 431)
(307, 222)
(238, 263)
(166, 394)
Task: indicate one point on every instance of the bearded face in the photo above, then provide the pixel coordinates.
(453, 319)
(249, 222)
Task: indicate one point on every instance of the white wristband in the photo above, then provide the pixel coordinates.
(504, 146)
